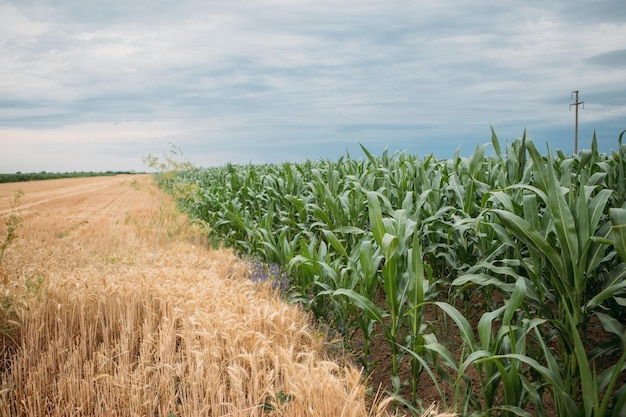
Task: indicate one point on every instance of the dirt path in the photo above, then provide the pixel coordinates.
(124, 311)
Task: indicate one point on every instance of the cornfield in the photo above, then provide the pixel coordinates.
(370, 244)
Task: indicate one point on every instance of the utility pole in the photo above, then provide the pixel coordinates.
(576, 128)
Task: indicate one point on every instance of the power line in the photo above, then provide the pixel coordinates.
(576, 125)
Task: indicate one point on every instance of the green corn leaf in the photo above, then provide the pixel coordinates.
(352, 230)
(482, 280)
(439, 350)
(363, 303)
(459, 190)
(476, 161)
(496, 143)
(521, 157)
(597, 206)
(531, 210)
(470, 196)
(513, 410)
(528, 187)
(562, 218)
(464, 327)
(367, 153)
(500, 197)
(321, 214)
(510, 380)
(595, 249)
(608, 380)
(443, 353)
(503, 236)
(611, 325)
(391, 285)
(366, 259)
(618, 219)
(407, 203)
(334, 242)
(552, 378)
(584, 228)
(516, 300)
(330, 274)
(597, 179)
(389, 245)
(587, 381)
(614, 285)
(485, 327)
(527, 233)
(416, 272)
(376, 217)
(619, 402)
(416, 283)
(476, 356)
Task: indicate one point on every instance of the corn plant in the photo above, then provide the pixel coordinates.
(408, 230)
(393, 235)
(504, 386)
(566, 236)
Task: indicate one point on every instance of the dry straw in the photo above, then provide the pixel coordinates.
(106, 329)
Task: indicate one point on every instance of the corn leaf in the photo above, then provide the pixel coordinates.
(467, 335)
(527, 233)
(485, 327)
(516, 300)
(618, 219)
(334, 242)
(375, 217)
(362, 302)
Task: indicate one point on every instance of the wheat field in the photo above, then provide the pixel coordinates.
(115, 306)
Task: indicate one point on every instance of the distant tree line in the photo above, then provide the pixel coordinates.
(43, 175)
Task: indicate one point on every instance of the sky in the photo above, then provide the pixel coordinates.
(92, 85)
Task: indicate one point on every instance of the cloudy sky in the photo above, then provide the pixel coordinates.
(98, 85)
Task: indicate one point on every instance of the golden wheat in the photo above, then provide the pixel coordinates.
(111, 329)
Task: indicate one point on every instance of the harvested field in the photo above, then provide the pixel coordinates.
(114, 306)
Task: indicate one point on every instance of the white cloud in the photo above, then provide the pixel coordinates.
(320, 75)
(15, 25)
